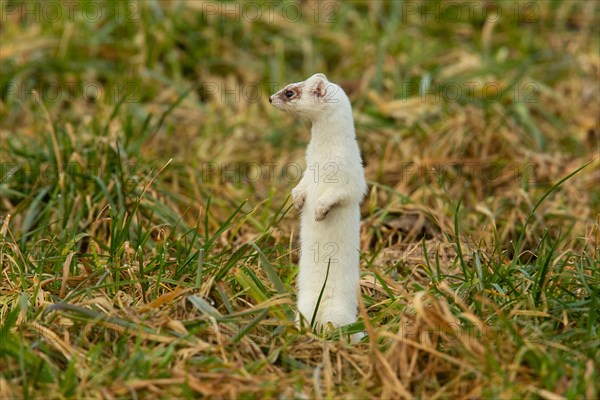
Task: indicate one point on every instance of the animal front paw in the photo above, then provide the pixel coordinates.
(298, 198)
(321, 211)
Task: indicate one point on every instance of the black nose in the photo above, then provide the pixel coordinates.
(270, 99)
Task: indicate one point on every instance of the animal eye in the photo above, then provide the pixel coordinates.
(289, 94)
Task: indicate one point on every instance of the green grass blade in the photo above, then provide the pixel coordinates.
(314, 316)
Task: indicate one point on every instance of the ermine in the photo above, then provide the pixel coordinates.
(328, 197)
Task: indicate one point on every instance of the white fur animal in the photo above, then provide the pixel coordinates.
(328, 195)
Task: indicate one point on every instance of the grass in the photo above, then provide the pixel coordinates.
(148, 247)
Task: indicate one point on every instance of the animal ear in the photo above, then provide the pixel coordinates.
(320, 76)
(319, 88)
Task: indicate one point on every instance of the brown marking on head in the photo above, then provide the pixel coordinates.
(294, 90)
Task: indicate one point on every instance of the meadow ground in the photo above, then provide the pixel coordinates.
(147, 243)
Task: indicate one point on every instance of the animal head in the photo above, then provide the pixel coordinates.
(313, 98)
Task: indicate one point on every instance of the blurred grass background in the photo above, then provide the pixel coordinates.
(147, 244)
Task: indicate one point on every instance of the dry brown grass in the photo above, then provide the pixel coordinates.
(135, 276)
